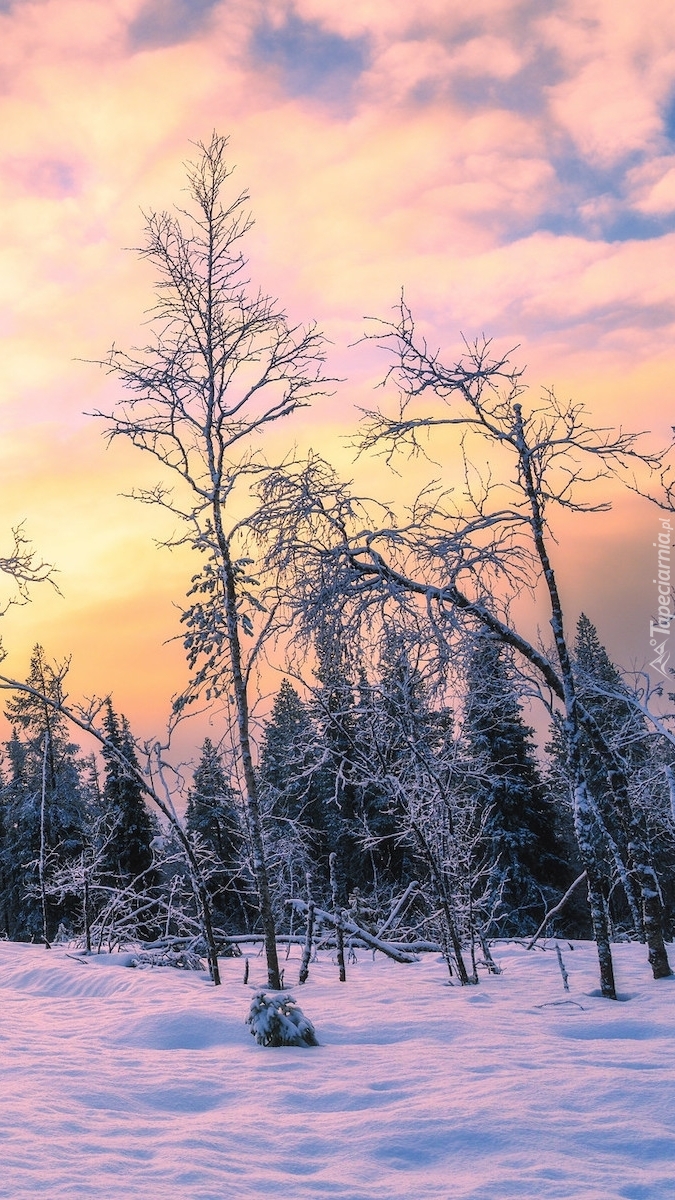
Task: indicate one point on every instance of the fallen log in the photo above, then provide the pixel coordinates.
(348, 926)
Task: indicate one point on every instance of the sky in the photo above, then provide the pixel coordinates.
(511, 165)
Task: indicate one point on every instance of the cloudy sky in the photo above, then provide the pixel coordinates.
(512, 165)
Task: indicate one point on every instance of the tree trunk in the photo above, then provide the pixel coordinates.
(452, 937)
(254, 819)
(583, 815)
(43, 847)
(588, 854)
(85, 908)
(339, 930)
(307, 950)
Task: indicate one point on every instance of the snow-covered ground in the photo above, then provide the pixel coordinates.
(121, 1083)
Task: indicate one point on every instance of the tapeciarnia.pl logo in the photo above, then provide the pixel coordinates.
(659, 630)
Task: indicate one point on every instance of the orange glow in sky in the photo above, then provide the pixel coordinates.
(511, 164)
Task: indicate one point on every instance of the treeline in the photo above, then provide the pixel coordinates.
(420, 820)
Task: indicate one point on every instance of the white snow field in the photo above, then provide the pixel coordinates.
(124, 1083)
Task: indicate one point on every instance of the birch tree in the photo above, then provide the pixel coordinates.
(223, 364)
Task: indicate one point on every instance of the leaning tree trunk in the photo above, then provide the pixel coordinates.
(639, 854)
(583, 814)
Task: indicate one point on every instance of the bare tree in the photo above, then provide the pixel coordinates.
(24, 567)
(406, 751)
(463, 554)
(224, 363)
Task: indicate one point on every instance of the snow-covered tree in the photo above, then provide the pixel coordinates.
(466, 548)
(223, 362)
(44, 803)
(642, 826)
(128, 854)
(293, 787)
(213, 821)
(408, 766)
(517, 818)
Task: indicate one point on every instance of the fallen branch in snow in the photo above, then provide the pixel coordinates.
(553, 911)
(348, 926)
(559, 1003)
(222, 939)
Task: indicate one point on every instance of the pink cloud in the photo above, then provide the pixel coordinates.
(653, 185)
(51, 178)
(618, 73)
(440, 170)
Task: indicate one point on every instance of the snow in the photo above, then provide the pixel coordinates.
(118, 1083)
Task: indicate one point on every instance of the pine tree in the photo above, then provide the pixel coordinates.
(40, 836)
(213, 821)
(335, 716)
(294, 789)
(607, 697)
(408, 769)
(288, 760)
(20, 844)
(516, 815)
(395, 724)
(128, 856)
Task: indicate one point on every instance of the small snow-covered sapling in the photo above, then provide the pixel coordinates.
(276, 1020)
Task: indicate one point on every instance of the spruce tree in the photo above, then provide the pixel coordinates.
(395, 725)
(288, 762)
(213, 821)
(607, 697)
(20, 844)
(408, 767)
(335, 716)
(128, 855)
(515, 814)
(294, 789)
(40, 837)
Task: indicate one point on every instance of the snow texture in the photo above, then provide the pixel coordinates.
(134, 1083)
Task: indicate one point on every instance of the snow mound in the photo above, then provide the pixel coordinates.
(191, 1029)
(60, 977)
